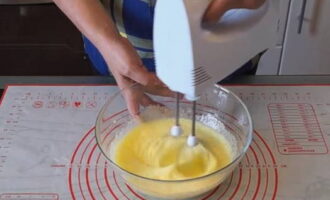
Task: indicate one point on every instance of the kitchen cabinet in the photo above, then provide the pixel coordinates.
(23, 2)
(38, 39)
(305, 45)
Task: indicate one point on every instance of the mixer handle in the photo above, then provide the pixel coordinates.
(235, 20)
(196, 8)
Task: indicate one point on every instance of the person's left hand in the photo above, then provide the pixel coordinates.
(218, 7)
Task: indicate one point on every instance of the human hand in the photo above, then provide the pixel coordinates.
(132, 77)
(94, 22)
(218, 7)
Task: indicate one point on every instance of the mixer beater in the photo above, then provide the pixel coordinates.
(192, 139)
(176, 129)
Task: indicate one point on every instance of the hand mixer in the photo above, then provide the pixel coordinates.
(191, 56)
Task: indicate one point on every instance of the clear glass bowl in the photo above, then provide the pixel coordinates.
(114, 120)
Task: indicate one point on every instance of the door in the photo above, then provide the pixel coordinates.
(306, 49)
(270, 61)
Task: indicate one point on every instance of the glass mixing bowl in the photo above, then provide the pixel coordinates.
(217, 105)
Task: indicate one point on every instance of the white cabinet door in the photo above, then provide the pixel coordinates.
(308, 51)
(270, 61)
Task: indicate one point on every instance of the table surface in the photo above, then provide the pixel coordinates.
(5, 80)
(71, 127)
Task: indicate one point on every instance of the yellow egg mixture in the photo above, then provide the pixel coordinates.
(150, 151)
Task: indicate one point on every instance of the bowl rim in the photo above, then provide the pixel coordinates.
(245, 148)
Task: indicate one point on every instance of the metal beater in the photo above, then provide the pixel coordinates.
(176, 129)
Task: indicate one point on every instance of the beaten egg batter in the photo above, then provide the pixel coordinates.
(150, 151)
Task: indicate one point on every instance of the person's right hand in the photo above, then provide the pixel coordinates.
(128, 69)
(218, 7)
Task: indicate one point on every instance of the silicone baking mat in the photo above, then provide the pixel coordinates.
(48, 150)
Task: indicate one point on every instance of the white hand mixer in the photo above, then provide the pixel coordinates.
(191, 56)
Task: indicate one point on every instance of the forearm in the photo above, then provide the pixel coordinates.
(90, 17)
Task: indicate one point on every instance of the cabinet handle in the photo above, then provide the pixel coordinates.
(302, 16)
